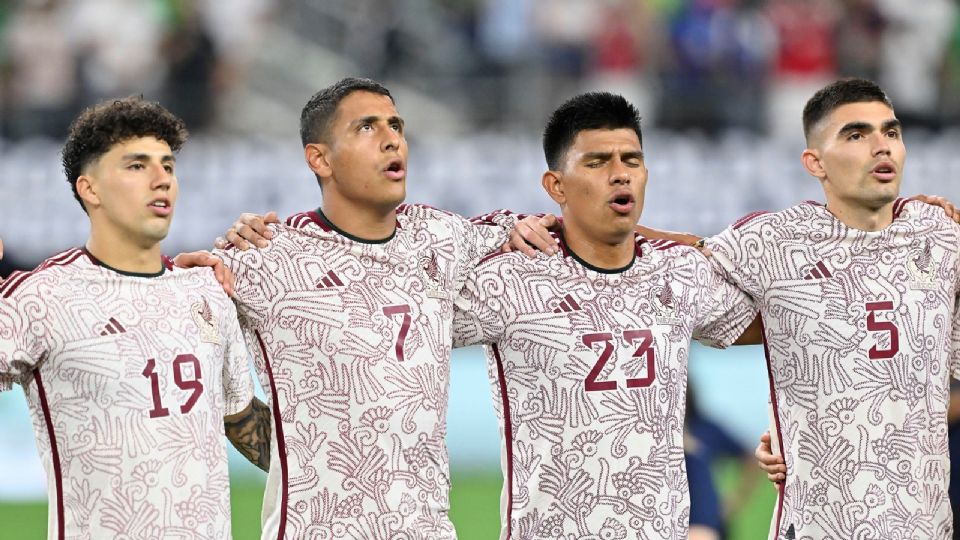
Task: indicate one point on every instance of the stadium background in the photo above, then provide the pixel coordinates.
(720, 84)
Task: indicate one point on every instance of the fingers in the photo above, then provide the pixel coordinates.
(251, 229)
(517, 243)
(771, 464)
(532, 231)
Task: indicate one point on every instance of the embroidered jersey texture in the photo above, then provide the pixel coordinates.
(589, 374)
(353, 341)
(127, 380)
(858, 326)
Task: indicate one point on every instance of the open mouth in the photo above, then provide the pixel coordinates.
(161, 207)
(394, 170)
(622, 203)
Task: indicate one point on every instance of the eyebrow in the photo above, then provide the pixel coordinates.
(632, 154)
(168, 158)
(864, 126)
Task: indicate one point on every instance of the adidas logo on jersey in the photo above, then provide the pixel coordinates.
(567, 304)
(819, 271)
(113, 327)
(206, 321)
(329, 281)
(921, 266)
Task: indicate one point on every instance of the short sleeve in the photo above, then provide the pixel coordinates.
(724, 314)
(731, 260)
(237, 381)
(23, 337)
(489, 232)
(477, 314)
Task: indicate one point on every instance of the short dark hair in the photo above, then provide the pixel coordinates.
(838, 93)
(317, 114)
(100, 127)
(592, 110)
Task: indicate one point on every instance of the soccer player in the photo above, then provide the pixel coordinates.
(859, 301)
(349, 311)
(130, 366)
(589, 348)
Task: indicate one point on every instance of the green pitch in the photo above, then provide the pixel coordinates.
(475, 501)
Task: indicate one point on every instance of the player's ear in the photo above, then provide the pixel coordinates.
(812, 163)
(87, 189)
(318, 159)
(552, 182)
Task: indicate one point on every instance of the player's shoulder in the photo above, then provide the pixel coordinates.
(670, 253)
(912, 210)
(52, 271)
(428, 215)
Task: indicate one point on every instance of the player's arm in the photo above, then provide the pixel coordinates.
(474, 321)
(771, 464)
(753, 335)
(249, 431)
(527, 233)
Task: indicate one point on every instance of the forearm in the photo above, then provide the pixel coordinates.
(249, 431)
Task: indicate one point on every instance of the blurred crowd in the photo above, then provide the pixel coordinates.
(714, 64)
(57, 56)
(708, 65)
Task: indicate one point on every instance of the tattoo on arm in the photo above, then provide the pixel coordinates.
(249, 432)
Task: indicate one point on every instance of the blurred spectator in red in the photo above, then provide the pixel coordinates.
(805, 59)
(912, 52)
(39, 71)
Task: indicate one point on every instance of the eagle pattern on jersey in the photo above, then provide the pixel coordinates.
(353, 340)
(588, 372)
(858, 328)
(127, 380)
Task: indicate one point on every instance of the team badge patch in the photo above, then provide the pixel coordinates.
(433, 277)
(665, 306)
(921, 266)
(206, 321)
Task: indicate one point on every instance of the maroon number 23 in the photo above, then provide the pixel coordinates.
(644, 340)
(192, 385)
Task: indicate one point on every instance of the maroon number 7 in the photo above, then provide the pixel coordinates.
(404, 310)
(194, 385)
(874, 325)
(644, 350)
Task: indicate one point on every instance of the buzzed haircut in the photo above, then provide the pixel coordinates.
(318, 113)
(100, 127)
(836, 94)
(592, 110)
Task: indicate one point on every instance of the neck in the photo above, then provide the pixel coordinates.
(362, 221)
(609, 255)
(123, 254)
(858, 216)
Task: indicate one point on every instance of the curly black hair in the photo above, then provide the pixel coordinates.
(100, 127)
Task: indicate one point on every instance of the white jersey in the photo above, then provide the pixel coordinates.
(858, 329)
(589, 373)
(128, 379)
(352, 339)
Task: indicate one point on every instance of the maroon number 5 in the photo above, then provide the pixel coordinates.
(644, 350)
(874, 325)
(194, 385)
(404, 310)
